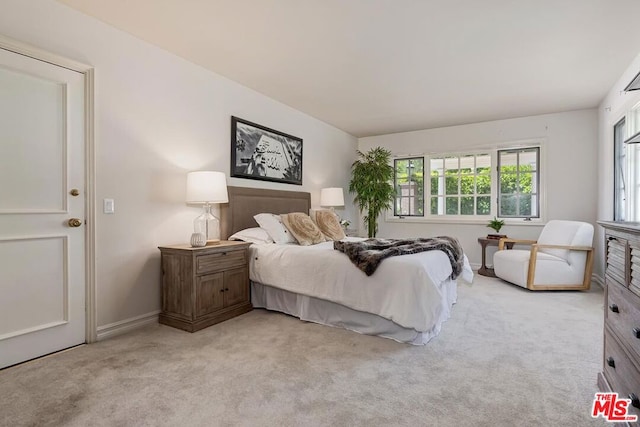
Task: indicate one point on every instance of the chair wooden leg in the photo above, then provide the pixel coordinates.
(588, 270)
(584, 286)
(532, 267)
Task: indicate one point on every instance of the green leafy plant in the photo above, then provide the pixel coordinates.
(496, 224)
(371, 176)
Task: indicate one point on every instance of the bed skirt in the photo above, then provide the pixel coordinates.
(328, 313)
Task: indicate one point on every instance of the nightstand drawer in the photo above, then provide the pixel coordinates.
(623, 315)
(219, 261)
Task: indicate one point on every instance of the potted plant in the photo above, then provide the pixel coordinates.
(496, 224)
(371, 176)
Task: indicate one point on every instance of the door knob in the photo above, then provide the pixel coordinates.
(74, 222)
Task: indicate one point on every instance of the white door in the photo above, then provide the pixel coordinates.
(42, 263)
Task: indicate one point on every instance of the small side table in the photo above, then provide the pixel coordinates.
(204, 286)
(484, 242)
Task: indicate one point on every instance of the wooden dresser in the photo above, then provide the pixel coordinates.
(204, 286)
(621, 364)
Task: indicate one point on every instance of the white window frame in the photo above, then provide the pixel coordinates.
(537, 184)
(620, 172)
(414, 196)
(428, 194)
(629, 110)
(478, 219)
(633, 182)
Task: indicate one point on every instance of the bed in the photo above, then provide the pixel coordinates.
(407, 299)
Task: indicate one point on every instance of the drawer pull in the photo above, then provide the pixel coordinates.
(224, 253)
(636, 332)
(614, 308)
(226, 289)
(611, 362)
(221, 290)
(635, 402)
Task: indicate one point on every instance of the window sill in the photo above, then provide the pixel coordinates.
(463, 221)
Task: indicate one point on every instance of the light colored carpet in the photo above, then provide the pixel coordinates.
(507, 357)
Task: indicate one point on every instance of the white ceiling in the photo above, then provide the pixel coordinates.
(373, 67)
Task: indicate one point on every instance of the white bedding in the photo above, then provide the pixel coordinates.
(404, 289)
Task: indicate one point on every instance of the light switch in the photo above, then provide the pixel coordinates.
(108, 206)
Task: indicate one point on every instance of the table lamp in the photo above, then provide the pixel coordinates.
(331, 197)
(207, 187)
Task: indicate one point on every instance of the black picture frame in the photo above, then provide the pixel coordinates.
(259, 152)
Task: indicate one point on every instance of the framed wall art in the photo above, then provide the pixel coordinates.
(258, 152)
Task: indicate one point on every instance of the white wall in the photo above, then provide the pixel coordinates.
(611, 110)
(569, 162)
(157, 117)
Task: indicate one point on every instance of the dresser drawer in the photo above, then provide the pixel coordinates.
(219, 261)
(621, 373)
(623, 315)
(616, 258)
(634, 273)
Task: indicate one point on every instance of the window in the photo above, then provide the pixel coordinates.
(409, 185)
(626, 165)
(460, 185)
(518, 194)
(619, 165)
(632, 202)
(470, 186)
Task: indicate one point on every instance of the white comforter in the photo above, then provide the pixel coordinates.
(404, 289)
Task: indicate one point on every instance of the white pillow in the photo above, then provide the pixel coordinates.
(252, 235)
(274, 226)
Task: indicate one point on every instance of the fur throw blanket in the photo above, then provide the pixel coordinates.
(368, 254)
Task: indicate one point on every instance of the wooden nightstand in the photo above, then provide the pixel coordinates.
(204, 286)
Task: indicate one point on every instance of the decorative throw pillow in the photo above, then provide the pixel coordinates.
(303, 228)
(252, 235)
(274, 226)
(328, 223)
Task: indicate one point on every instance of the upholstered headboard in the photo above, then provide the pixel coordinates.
(244, 203)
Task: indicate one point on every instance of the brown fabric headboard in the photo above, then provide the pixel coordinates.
(245, 202)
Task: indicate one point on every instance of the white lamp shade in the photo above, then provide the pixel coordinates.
(331, 197)
(207, 187)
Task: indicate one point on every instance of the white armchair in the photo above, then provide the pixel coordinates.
(561, 258)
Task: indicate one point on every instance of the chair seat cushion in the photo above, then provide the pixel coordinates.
(513, 266)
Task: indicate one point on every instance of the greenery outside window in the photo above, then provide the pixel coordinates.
(519, 183)
(460, 185)
(471, 186)
(409, 186)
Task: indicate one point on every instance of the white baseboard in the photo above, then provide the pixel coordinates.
(127, 325)
(597, 280)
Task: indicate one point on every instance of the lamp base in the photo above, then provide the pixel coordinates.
(207, 224)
